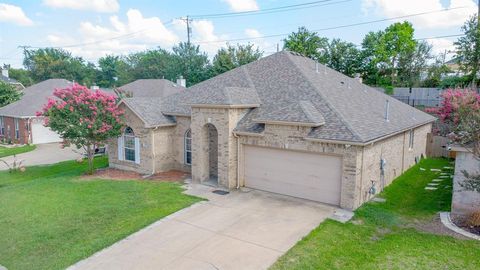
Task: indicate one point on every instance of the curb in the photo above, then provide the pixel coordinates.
(445, 218)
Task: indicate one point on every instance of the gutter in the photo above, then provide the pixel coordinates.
(368, 142)
(241, 133)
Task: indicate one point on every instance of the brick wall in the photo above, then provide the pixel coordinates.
(398, 155)
(9, 130)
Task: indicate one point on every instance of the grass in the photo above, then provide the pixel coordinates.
(50, 218)
(10, 151)
(384, 235)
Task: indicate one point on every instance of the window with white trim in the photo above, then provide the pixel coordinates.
(129, 144)
(17, 128)
(2, 126)
(188, 147)
(411, 139)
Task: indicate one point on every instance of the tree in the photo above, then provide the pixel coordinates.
(460, 112)
(371, 69)
(308, 44)
(191, 63)
(153, 64)
(21, 75)
(231, 57)
(114, 71)
(52, 63)
(83, 117)
(391, 54)
(412, 64)
(396, 42)
(344, 57)
(436, 73)
(468, 50)
(8, 94)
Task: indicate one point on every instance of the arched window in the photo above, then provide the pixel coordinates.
(129, 144)
(188, 147)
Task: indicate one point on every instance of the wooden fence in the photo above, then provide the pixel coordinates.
(437, 146)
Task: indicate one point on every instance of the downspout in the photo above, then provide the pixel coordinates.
(153, 151)
(403, 152)
(362, 199)
(238, 159)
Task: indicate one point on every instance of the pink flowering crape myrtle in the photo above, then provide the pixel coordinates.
(460, 112)
(83, 117)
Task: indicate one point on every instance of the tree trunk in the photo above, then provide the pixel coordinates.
(90, 153)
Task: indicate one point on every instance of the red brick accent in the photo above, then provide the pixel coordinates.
(9, 130)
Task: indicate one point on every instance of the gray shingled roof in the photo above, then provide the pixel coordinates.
(151, 88)
(302, 112)
(33, 99)
(350, 111)
(149, 110)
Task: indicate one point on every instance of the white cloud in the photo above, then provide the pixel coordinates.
(242, 5)
(259, 42)
(204, 35)
(14, 14)
(252, 33)
(451, 18)
(105, 6)
(441, 45)
(135, 34)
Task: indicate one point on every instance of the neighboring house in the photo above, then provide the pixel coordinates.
(18, 120)
(151, 88)
(464, 202)
(454, 65)
(283, 124)
(4, 77)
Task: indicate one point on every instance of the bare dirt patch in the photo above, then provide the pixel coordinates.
(435, 226)
(120, 175)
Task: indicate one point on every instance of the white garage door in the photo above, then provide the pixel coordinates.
(42, 134)
(298, 174)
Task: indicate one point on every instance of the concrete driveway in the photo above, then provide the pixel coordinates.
(44, 154)
(241, 230)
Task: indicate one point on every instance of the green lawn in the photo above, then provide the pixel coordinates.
(50, 218)
(383, 235)
(10, 151)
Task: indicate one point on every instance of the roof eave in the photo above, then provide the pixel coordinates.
(246, 133)
(161, 125)
(359, 143)
(176, 114)
(288, 123)
(226, 106)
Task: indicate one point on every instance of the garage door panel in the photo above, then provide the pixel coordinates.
(305, 175)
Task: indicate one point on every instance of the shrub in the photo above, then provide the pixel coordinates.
(474, 219)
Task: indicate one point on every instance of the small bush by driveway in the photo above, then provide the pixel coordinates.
(402, 233)
(50, 218)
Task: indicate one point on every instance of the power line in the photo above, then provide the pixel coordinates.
(336, 27)
(269, 10)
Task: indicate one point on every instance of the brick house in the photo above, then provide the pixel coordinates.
(283, 124)
(18, 120)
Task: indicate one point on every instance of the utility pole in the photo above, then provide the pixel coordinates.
(189, 29)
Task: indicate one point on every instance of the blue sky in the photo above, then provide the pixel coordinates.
(99, 27)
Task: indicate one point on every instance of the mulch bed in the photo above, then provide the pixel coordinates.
(116, 174)
(461, 224)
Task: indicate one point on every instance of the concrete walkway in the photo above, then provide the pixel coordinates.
(44, 154)
(241, 230)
